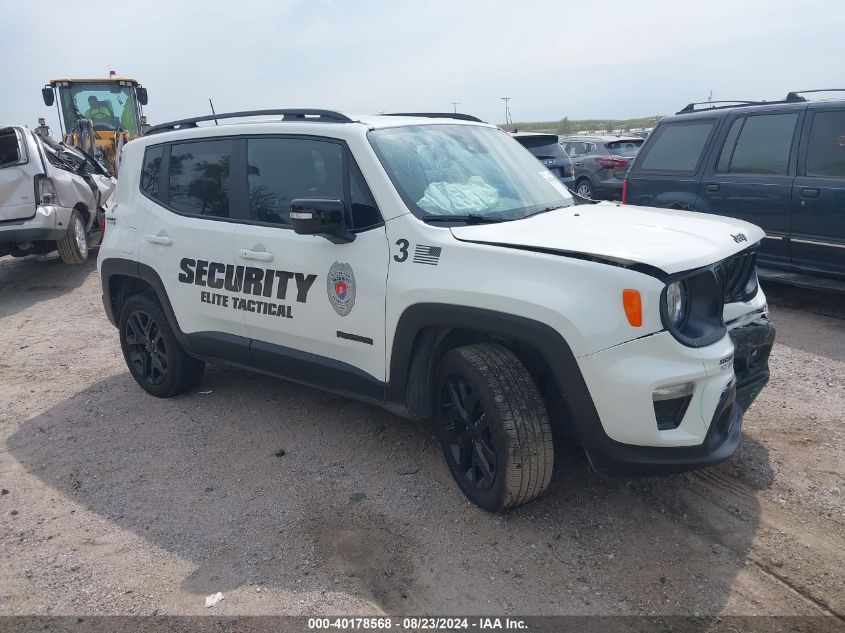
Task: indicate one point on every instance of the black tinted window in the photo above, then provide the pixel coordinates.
(281, 170)
(826, 149)
(543, 147)
(676, 147)
(763, 145)
(364, 211)
(151, 171)
(199, 177)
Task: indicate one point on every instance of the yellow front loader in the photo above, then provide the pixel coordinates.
(98, 116)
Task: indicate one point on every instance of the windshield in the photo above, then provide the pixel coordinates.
(466, 170)
(628, 149)
(108, 104)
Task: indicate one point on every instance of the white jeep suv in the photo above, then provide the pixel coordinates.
(432, 266)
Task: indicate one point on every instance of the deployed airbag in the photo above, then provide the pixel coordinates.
(451, 197)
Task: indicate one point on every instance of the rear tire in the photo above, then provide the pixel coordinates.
(73, 247)
(153, 355)
(493, 426)
(584, 188)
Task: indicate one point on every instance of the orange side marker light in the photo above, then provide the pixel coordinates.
(633, 304)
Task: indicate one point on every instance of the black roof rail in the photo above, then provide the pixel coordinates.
(690, 107)
(288, 114)
(795, 95)
(437, 115)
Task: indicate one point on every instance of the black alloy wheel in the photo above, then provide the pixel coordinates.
(146, 348)
(467, 434)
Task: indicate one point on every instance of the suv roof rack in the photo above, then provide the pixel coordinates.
(288, 114)
(795, 95)
(792, 97)
(690, 107)
(437, 115)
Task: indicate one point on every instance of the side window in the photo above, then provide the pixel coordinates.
(676, 147)
(151, 171)
(364, 211)
(575, 149)
(763, 145)
(826, 147)
(199, 177)
(280, 170)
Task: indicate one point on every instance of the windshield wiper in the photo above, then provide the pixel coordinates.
(546, 210)
(470, 218)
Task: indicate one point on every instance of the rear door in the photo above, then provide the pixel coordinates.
(818, 194)
(750, 176)
(187, 239)
(667, 170)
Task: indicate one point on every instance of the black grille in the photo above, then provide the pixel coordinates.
(738, 276)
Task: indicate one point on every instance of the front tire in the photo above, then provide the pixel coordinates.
(153, 355)
(73, 247)
(493, 426)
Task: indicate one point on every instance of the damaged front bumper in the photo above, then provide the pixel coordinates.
(752, 345)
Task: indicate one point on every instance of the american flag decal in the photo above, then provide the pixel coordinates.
(427, 254)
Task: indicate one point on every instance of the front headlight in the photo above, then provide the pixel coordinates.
(676, 302)
(691, 309)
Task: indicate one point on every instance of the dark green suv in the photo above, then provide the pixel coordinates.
(780, 165)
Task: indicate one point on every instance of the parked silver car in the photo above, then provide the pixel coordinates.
(51, 196)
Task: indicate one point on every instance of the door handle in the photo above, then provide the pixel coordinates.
(713, 187)
(162, 240)
(261, 256)
(810, 193)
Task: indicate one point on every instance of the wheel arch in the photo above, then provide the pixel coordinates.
(122, 278)
(85, 213)
(425, 332)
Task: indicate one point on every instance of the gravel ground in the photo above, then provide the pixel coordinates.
(292, 501)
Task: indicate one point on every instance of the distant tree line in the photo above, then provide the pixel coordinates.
(573, 126)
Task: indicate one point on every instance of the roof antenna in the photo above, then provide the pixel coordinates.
(213, 112)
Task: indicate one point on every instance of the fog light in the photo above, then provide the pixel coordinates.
(670, 405)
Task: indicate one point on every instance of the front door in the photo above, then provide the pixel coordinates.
(315, 310)
(818, 195)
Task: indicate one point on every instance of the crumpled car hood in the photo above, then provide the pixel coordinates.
(671, 241)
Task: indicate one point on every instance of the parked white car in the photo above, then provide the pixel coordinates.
(50, 196)
(433, 267)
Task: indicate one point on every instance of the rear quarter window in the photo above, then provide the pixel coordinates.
(10, 148)
(676, 147)
(151, 172)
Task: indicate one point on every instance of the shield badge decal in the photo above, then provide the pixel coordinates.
(340, 286)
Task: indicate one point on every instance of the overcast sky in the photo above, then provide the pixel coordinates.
(613, 59)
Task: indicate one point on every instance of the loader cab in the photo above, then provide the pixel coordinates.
(111, 104)
(98, 116)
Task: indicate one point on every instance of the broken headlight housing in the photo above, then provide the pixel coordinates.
(691, 308)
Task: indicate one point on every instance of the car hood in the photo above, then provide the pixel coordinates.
(670, 241)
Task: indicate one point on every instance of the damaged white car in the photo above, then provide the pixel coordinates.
(52, 197)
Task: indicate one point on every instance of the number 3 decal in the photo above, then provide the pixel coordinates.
(403, 251)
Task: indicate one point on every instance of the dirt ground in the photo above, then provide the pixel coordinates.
(292, 501)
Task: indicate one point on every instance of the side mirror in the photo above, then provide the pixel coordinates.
(142, 95)
(48, 96)
(325, 217)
